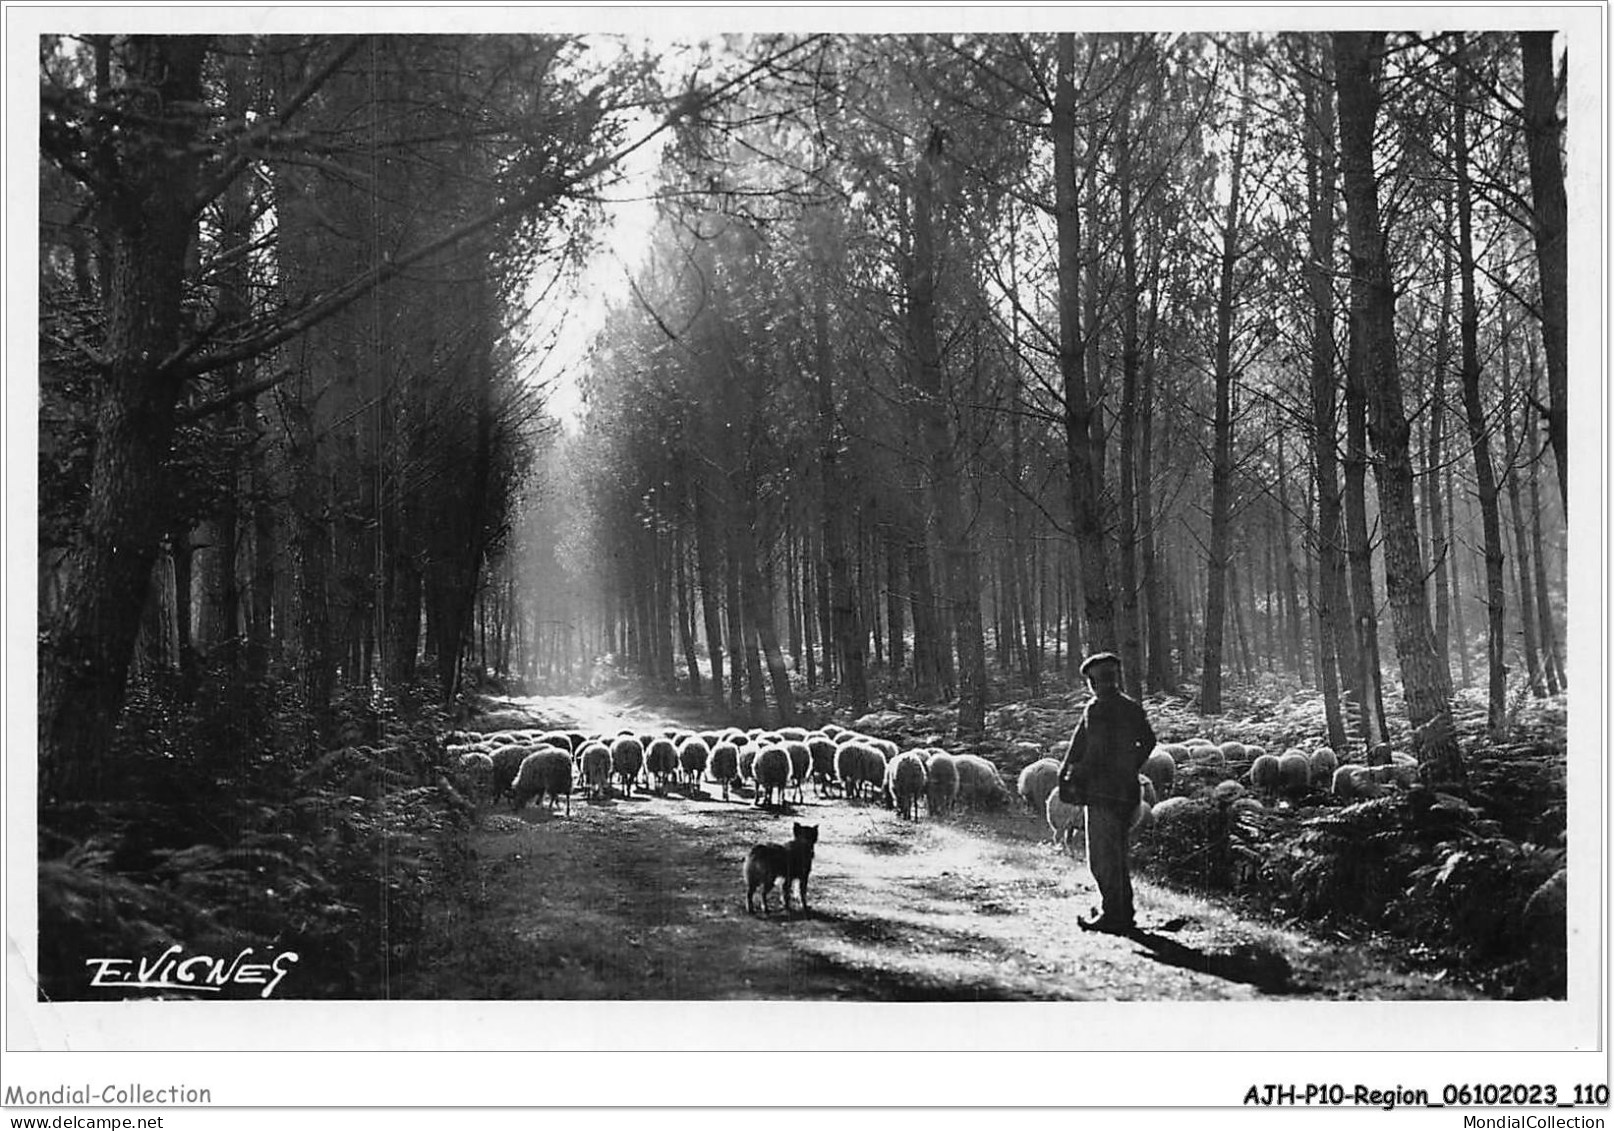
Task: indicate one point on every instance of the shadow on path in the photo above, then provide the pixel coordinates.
(1259, 966)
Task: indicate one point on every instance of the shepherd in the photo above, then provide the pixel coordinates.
(1100, 771)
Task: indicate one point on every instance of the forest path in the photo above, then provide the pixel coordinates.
(642, 898)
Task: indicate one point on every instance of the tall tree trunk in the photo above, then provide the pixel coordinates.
(1336, 652)
(1549, 213)
(1162, 672)
(147, 226)
(1131, 637)
(760, 602)
(706, 573)
(1524, 587)
(1086, 463)
(1478, 426)
(958, 550)
(1366, 681)
(1456, 575)
(844, 600)
(896, 627)
(1217, 563)
(741, 655)
(1549, 631)
(686, 617)
(1438, 546)
(1290, 575)
(1426, 683)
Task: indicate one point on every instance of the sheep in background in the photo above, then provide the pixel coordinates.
(661, 762)
(822, 749)
(1355, 783)
(941, 783)
(874, 764)
(596, 768)
(1161, 769)
(1068, 822)
(801, 764)
(476, 768)
(1147, 790)
(748, 757)
(724, 766)
(559, 739)
(1323, 764)
(979, 783)
(506, 761)
(693, 756)
(905, 780)
(627, 759)
(1037, 781)
(772, 770)
(850, 761)
(1266, 773)
(1294, 770)
(546, 772)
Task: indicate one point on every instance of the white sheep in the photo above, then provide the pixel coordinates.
(905, 779)
(1323, 763)
(596, 768)
(1171, 809)
(693, 756)
(822, 749)
(772, 770)
(874, 764)
(850, 760)
(477, 769)
(627, 759)
(546, 772)
(1294, 768)
(979, 783)
(661, 762)
(1036, 782)
(724, 766)
(1068, 822)
(1266, 773)
(1161, 768)
(941, 783)
(506, 761)
(801, 764)
(1355, 783)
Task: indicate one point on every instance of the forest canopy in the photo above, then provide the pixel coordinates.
(951, 358)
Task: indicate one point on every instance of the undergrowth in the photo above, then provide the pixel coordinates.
(216, 827)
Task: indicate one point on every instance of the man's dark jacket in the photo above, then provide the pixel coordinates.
(1112, 741)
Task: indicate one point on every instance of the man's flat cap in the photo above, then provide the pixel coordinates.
(1098, 658)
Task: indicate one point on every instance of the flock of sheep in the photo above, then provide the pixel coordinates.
(1244, 776)
(530, 765)
(527, 765)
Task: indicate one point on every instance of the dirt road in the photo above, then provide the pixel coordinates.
(642, 898)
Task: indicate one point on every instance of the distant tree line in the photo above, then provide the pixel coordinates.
(958, 357)
(284, 424)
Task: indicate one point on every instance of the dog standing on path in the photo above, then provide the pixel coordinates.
(766, 863)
